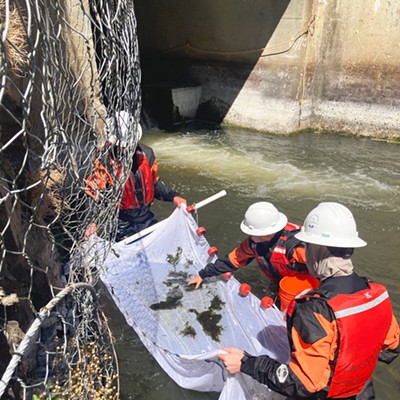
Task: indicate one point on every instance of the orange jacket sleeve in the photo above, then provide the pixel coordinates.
(299, 255)
(391, 347)
(311, 362)
(242, 255)
(392, 338)
(154, 171)
(312, 350)
(98, 180)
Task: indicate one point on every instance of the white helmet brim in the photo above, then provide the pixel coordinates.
(330, 224)
(329, 241)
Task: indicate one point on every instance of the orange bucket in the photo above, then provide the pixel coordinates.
(290, 286)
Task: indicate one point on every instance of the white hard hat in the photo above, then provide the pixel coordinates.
(119, 128)
(262, 219)
(332, 225)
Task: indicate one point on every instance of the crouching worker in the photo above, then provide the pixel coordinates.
(143, 184)
(271, 242)
(338, 332)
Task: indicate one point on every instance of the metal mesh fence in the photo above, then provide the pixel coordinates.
(66, 68)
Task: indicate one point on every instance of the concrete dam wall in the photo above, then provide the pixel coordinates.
(278, 66)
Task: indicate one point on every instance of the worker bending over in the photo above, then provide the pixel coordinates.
(271, 242)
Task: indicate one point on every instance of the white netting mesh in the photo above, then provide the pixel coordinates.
(65, 67)
(184, 329)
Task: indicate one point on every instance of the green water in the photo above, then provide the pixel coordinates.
(295, 173)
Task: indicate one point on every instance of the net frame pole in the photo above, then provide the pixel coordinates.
(151, 228)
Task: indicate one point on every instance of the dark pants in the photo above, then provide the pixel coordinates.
(368, 393)
(129, 224)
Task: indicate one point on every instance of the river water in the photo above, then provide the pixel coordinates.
(295, 173)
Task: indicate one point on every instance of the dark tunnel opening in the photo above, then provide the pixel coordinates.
(197, 56)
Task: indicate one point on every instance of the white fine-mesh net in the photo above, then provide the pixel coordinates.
(184, 328)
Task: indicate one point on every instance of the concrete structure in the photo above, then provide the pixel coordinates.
(172, 104)
(280, 66)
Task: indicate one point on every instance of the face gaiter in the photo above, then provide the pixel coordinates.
(322, 264)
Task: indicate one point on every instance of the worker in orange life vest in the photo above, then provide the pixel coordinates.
(338, 332)
(143, 184)
(271, 242)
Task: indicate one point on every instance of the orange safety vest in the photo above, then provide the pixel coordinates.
(140, 181)
(278, 259)
(363, 320)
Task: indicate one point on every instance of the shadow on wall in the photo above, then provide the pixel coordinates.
(196, 56)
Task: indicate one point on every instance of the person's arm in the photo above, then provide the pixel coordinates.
(220, 266)
(242, 255)
(391, 347)
(161, 190)
(314, 339)
(313, 344)
(164, 192)
(277, 376)
(239, 257)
